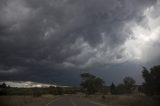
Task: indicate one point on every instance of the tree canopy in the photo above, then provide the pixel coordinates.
(129, 84)
(151, 86)
(124, 88)
(113, 88)
(91, 84)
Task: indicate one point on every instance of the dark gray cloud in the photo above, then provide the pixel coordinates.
(54, 40)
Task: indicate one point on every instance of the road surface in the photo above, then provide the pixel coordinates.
(73, 101)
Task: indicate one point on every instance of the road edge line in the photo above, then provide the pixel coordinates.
(96, 103)
(52, 101)
(73, 103)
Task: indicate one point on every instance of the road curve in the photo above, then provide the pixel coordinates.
(73, 101)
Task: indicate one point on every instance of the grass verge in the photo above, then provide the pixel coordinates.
(25, 100)
(125, 100)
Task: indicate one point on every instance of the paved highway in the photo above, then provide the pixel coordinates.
(73, 101)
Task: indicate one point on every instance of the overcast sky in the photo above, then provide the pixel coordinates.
(54, 41)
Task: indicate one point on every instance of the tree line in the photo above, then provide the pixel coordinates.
(35, 92)
(91, 84)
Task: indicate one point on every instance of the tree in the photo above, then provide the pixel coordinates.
(113, 89)
(126, 87)
(3, 85)
(151, 86)
(129, 84)
(91, 84)
(121, 89)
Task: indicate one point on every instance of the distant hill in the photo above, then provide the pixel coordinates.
(26, 84)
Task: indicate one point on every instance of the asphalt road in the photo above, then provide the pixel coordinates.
(73, 101)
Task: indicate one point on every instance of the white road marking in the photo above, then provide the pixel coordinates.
(73, 103)
(96, 103)
(52, 101)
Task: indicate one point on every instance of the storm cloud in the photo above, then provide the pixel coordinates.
(54, 40)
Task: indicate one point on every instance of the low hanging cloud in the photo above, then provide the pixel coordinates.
(40, 37)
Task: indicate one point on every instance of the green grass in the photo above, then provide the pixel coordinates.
(125, 100)
(25, 100)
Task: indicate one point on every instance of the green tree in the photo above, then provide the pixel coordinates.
(91, 84)
(113, 89)
(151, 86)
(121, 89)
(3, 85)
(129, 84)
(126, 87)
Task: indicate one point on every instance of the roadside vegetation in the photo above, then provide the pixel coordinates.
(91, 84)
(125, 100)
(126, 93)
(31, 96)
(25, 100)
(36, 92)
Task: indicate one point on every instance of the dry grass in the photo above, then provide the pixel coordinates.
(25, 100)
(125, 100)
